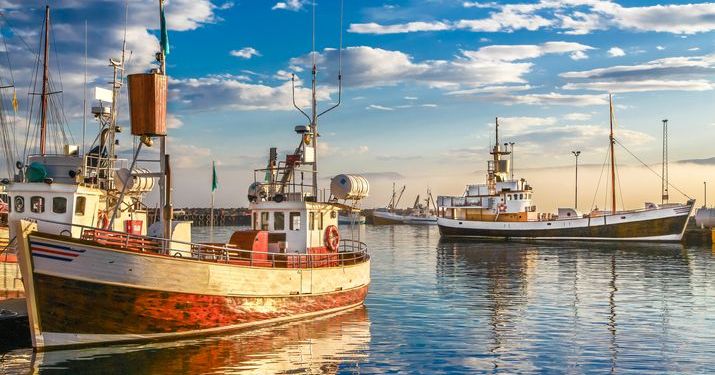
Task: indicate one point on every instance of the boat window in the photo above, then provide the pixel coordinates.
(508, 197)
(279, 221)
(59, 205)
(295, 221)
(37, 204)
(19, 204)
(79, 205)
(255, 220)
(320, 222)
(521, 196)
(311, 221)
(264, 220)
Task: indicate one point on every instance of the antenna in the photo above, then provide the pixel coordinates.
(664, 166)
(313, 134)
(84, 118)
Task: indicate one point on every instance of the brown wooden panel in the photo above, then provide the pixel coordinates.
(147, 104)
(71, 306)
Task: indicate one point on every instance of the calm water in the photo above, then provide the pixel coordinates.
(479, 307)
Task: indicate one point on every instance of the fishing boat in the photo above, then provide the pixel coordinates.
(60, 185)
(503, 208)
(93, 285)
(418, 214)
(346, 217)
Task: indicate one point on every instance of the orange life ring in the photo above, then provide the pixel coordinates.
(102, 220)
(502, 207)
(332, 238)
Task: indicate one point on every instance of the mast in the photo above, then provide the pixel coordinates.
(45, 79)
(613, 157)
(314, 114)
(165, 179)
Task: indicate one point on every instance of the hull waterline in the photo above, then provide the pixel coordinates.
(84, 294)
(661, 225)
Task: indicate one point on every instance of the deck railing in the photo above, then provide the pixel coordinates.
(349, 251)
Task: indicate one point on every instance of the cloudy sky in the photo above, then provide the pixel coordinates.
(423, 82)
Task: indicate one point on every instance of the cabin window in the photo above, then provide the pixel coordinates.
(521, 196)
(255, 220)
(279, 221)
(311, 221)
(79, 206)
(320, 222)
(19, 204)
(508, 197)
(295, 221)
(264, 220)
(37, 204)
(59, 205)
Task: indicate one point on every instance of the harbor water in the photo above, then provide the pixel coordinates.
(462, 307)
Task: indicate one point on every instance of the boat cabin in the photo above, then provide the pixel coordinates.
(65, 192)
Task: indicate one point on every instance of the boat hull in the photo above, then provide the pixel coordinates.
(106, 295)
(389, 218)
(664, 224)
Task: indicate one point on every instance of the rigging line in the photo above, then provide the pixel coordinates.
(15, 33)
(598, 184)
(14, 90)
(620, 188)
(32, 86)
(651, 169)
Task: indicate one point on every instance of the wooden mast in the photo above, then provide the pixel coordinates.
(613, 157)
(45, 79)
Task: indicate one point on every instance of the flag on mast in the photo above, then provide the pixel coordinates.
(15, 103)
(164, 32)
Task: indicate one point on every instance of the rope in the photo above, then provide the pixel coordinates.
(598, 184)
(651, 169)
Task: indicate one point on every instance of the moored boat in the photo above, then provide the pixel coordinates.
(418, 214)
(503, 208)
(96, 285)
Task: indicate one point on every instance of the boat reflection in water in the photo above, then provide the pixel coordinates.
(325, 345)
(541, 301)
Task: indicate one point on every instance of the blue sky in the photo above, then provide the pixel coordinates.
(423, 81)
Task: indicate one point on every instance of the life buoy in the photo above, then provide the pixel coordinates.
(332, 238)
(102, 220)
(502, 207)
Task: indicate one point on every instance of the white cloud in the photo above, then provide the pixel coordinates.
(493, 65)
(234, 93)
(554, 98)
(292, 5)
(578, 17)
(659, 48)
(671, 66)
(616, 52)
(375, 28)
(517, 125)
(245, 53)
(578, 55)
(693, 49)
(577, 116)
(642, 86)
(379, 107)
(173, 121)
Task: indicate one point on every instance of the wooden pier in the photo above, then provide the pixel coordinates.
(201, 217)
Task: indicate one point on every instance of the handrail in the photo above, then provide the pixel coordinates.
(349, 251)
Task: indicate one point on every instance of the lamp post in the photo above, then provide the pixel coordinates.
(511, 144)
(575, 205)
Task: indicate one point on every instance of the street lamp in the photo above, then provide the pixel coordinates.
(575, 205)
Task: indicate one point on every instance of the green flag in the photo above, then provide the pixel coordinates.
(214, 180)
(164, 32)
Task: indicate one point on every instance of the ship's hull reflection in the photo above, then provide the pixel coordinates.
(323, 345)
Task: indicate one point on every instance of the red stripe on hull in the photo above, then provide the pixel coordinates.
(70, 306)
